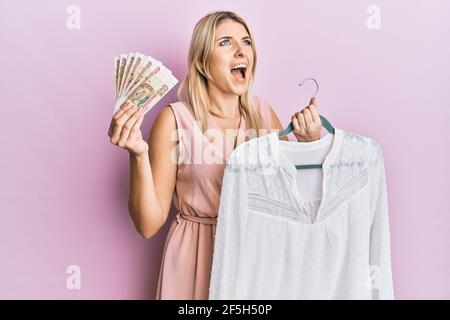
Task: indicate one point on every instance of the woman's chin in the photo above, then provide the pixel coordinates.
(239, 88)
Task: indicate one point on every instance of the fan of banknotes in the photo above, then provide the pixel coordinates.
(141, 79)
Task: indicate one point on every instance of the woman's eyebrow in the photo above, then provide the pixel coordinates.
(232, 37)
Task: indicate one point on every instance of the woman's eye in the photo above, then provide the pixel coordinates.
(249, 42)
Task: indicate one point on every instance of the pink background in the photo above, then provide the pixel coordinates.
(64, 187)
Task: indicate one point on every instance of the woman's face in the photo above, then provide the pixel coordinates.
(232, 46)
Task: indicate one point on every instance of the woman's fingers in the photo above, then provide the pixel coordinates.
(315, 115)
(306, 123)
(312, 119)
(135, 130)
(313, 109)
(128, 126)
(120, 123)
(301, 121)
(137, 124)
(128, 104)
(298, 122)
(118, 114)
(295, 123)
(308, 117)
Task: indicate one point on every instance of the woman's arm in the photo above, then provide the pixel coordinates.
(306, 122)
(153, 177)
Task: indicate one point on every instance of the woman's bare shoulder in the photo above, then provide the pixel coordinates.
(275, 121)
(166, 116)
(164, 124)
(264, 106)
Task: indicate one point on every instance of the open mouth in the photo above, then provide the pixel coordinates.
(239, 73)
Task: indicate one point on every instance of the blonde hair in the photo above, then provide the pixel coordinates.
(193, 89)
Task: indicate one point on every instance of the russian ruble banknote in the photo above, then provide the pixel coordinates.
(141, 79)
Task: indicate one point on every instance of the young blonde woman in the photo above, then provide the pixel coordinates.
(212, 96)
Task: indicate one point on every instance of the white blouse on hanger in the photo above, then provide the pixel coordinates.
(284, 233)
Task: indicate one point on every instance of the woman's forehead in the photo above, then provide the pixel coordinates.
(231, 28)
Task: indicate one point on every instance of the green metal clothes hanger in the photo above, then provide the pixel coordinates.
(325, 123)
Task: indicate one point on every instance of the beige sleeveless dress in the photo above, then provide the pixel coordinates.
(188, 250)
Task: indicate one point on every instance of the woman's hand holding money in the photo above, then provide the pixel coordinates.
(124, 130)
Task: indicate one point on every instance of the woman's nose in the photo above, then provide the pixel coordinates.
(240, 50)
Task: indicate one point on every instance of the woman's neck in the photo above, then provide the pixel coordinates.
(224, 106)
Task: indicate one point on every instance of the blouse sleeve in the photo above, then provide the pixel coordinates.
(230, 233)
(380, 251)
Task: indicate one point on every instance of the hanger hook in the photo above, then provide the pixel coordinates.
(317, 85)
